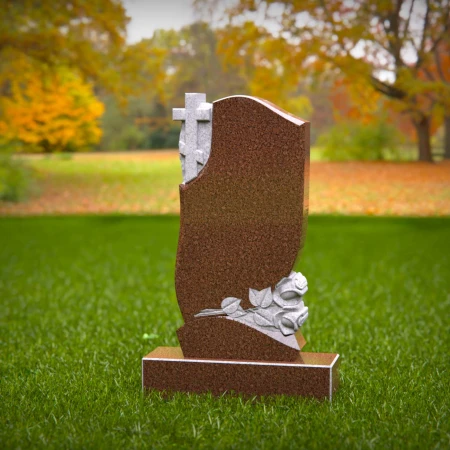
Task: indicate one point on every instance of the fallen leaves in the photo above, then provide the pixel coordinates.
(380, 188)
(147, 183)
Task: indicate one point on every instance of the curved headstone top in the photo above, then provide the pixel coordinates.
(243, 215)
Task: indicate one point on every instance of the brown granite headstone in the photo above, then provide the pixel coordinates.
(243, 218)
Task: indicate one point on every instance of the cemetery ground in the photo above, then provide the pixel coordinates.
(83, 298)
(147, 183)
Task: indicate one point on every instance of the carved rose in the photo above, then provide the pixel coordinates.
(301, 283)
(285, 323)
(282, 309)
(290, 290)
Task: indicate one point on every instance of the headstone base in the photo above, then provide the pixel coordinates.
(312, 375)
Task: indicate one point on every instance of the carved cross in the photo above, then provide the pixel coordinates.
(194, 143)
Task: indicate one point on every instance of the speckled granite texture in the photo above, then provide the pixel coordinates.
(243, 219)
(221, 338)
(166, 369)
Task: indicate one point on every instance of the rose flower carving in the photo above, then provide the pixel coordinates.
(282, 309)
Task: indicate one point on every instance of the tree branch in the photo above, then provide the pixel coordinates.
(444, 31)
(392, 32)
(406, 27)
(387, 89)
(428, 74)
(422, 40)
(439, 67)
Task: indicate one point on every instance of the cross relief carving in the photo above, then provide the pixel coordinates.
(195, 136)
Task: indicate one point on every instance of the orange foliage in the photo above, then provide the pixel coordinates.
(352, 100)
(266, 64)
(50, 112)
(85, 35)
(361, 41)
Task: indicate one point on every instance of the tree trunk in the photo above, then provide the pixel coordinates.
(447, 137)
(423, 139)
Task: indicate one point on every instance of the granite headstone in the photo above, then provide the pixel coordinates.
(243, 219)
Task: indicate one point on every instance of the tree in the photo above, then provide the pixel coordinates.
(85, 38)
(436, 70)
(193, 64)
(265, 63)
(384, 43)
(50, 111)
(85, 35)
(352, 102)
(158, 72)
(188, 61)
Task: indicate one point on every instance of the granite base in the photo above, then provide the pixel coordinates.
(312, 375)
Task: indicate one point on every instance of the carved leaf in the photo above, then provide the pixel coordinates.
(260, 298)
(252, 296)
(263, 318)
(267, 299)
(230, 305)
(238, 313)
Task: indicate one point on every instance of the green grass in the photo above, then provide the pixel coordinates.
(136, 176)
(77, 295)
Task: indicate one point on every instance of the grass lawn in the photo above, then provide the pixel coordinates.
(78, 293)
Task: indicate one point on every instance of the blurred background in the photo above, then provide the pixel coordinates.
(87, 89)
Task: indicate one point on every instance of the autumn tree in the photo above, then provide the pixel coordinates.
(85, 35)
(50, 52)
(55, 111)
(384, 43)
(185, 60)
(193, 64)
(436, 71)
(352, 102)
(263, 61)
